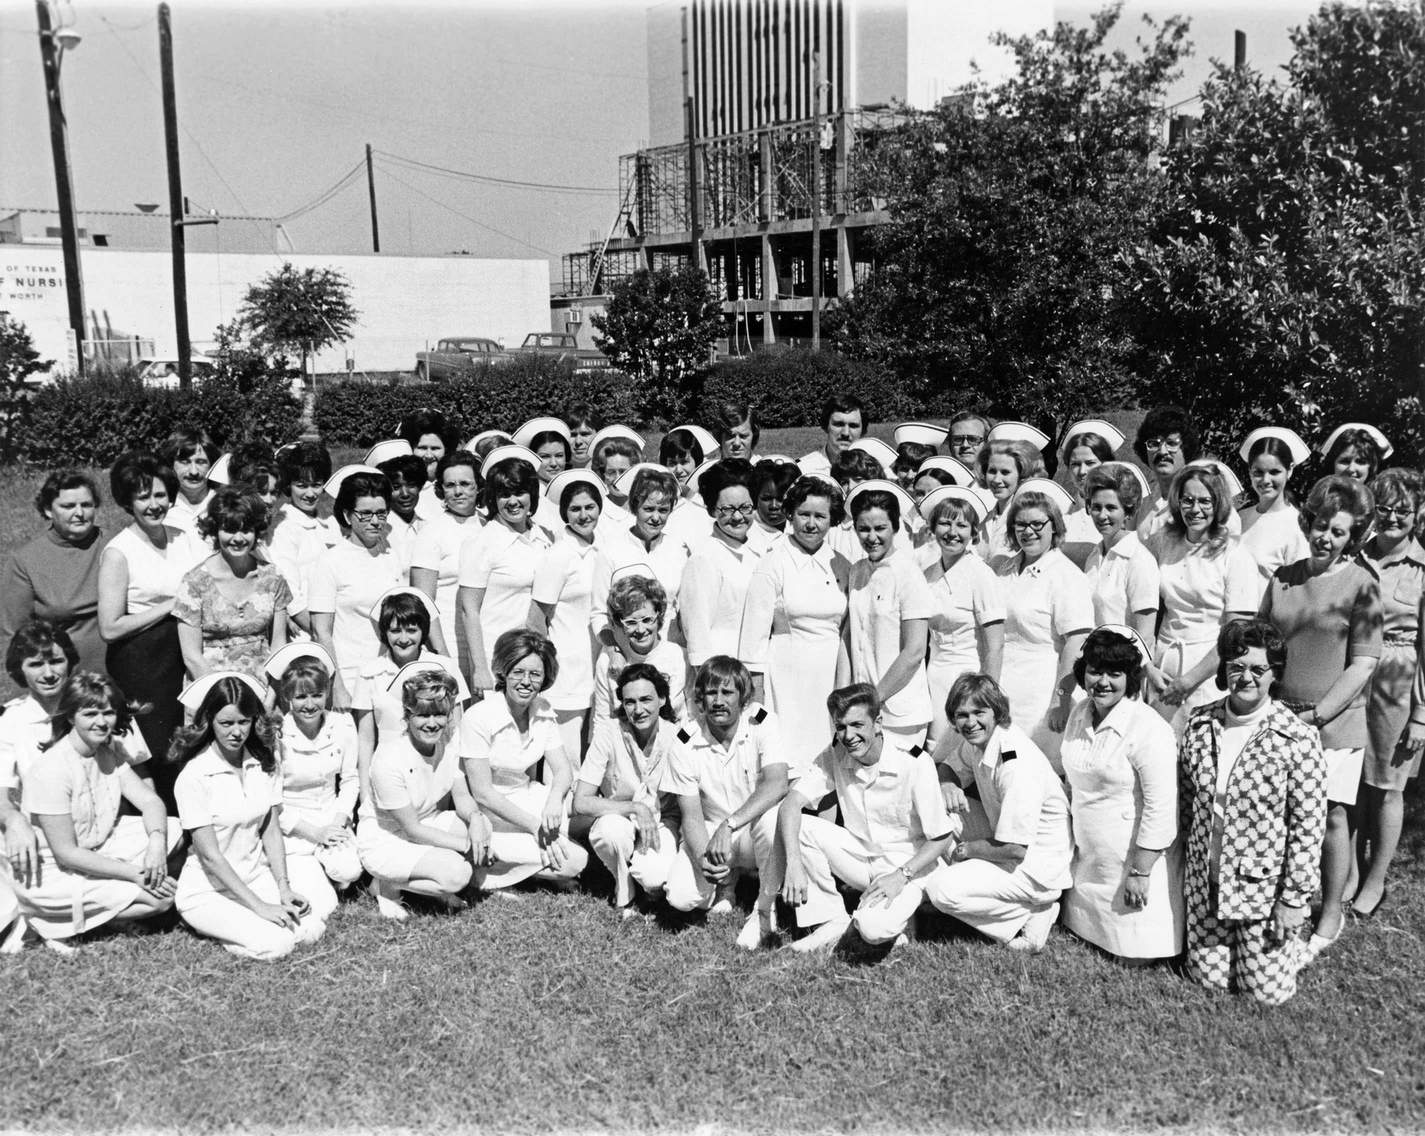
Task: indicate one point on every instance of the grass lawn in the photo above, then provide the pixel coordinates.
(549, 1013)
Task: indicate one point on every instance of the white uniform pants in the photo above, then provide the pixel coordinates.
(612, 838)
(831, 853)
(752, 849)
(245, 933)
(993, 901)
(312, 870)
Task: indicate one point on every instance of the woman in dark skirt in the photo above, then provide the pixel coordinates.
(139, 574)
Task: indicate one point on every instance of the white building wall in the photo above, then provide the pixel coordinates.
(404, 302)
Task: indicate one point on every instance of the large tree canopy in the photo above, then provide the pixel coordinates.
(1284, 280)
(999, 279)
(299, 311)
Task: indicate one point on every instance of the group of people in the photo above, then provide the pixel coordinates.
(1160, 706)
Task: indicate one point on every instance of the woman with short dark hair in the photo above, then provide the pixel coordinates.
(1327, 607)
(1251, 790)
(140, 573)
(55, 575)
(1120, 759)
(231, 607)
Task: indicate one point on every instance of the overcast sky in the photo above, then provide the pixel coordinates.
(277, 102)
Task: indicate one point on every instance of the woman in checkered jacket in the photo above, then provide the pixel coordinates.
(1252, 802)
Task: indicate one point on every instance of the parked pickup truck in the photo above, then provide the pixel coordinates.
(457, 355)
(562, 345)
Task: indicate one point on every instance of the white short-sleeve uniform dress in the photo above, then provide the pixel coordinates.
(319, 787)
(373, 691)
(711, 597)
(666, 657)
(1198, 586)
(1122, 581)
(490, 733)
(87, 790)
(791, 635)
(437, 548)
(564, 580)
(346, 581)
(502, 562)
(298, 540)
(967, 597)
(235, 803)
(1272, 539)
(1044, 602)
(882, 595)
(620, 548)
(1123, 791)
(401, 776)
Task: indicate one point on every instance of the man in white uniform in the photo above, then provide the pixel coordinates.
(895, 829)
(729, 778)
(844, 418)
(1013, 860)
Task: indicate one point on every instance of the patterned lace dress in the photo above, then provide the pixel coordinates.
(235, 634)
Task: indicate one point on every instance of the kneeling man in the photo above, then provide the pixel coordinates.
(896, 828)
(1014, 858)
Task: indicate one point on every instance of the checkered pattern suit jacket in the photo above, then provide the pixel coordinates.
(1275, 812)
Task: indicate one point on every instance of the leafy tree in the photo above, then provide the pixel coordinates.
(299, 311)
(1285, 279)
(660, 327)
(19, 363)
(241, 362)
(1000, 274)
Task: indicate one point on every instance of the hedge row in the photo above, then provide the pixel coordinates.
(92, 420)
(787, 387)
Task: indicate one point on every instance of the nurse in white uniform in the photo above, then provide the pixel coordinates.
(503, 739)
(651, 494)
(1121, 762)
(1013, 454)
(1088, 444)
(430, 437)
(497, 569)
(1205, 580)
(234, 886)
(349, 577)
(419, 830)
(1048, 612)
(94, 865)
(317, 749)
(435, 554)
(1271, 527)
(551, 441)
(791, 621)
(967, 629)
(1122, 574)
(889, 612)
(562, 599)
(299, 533)
(714, 583)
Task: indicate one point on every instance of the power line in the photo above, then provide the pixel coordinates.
(467, 217)
(326, 195)
(490, 180)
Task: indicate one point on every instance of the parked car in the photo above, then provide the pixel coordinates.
(457, 355)
(563, 345)
(163, 371)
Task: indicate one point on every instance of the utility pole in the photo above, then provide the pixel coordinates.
(175, 200)
(371, 191)
(1239, 50)
(816, 201)
(690, 126)
(64, 192)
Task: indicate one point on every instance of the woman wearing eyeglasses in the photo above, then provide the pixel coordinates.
(350, 577)
(1205, 580)
(1328, 610)
(1048, 612)
(714, 585)
(1395, 706)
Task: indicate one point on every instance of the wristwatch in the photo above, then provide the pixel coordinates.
(907, 873)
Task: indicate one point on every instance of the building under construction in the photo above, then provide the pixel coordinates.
(763, 169)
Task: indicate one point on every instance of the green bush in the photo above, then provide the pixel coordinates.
(788, 386)
(91, 420)
(359, 413)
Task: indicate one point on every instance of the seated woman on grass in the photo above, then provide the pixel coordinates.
(418, 823)
(504, 741)
(94, 865)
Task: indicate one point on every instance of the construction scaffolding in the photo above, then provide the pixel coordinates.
(756, 202)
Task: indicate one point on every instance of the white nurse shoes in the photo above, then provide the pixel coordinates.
(1034, 935)
(827, 935)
